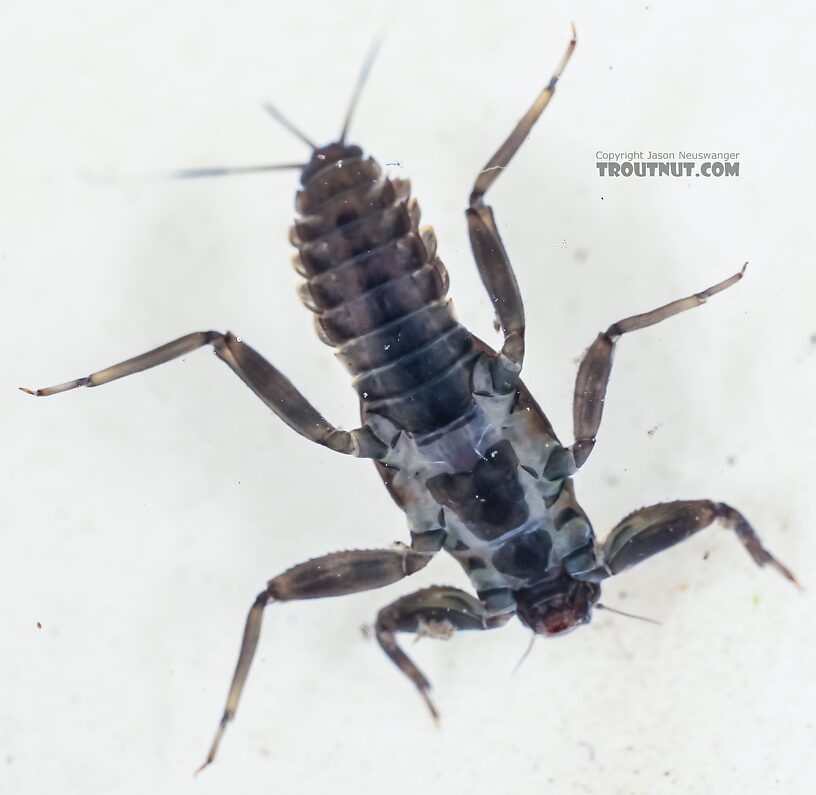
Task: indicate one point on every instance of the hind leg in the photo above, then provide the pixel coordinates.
(491, 257)
(265, 380)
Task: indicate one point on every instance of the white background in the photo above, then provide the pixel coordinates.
(140, 520)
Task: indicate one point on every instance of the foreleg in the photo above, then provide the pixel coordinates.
(658, 527)
(439, 612)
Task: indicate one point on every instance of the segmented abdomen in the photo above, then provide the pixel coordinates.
(379, 294)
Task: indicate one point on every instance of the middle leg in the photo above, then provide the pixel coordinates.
(596, 367)
(337, 574)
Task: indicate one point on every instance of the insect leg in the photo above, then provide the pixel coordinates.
(266, 381)
(593, 374)
(653, 529)
(331, 575)
(491, 257)
(438, 611)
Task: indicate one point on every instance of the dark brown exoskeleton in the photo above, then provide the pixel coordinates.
(458, 440)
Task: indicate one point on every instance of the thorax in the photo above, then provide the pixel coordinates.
(481, 482)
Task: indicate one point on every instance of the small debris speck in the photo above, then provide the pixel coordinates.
(39, 625)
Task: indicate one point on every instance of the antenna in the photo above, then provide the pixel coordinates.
(628, 615)
(526, 653)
